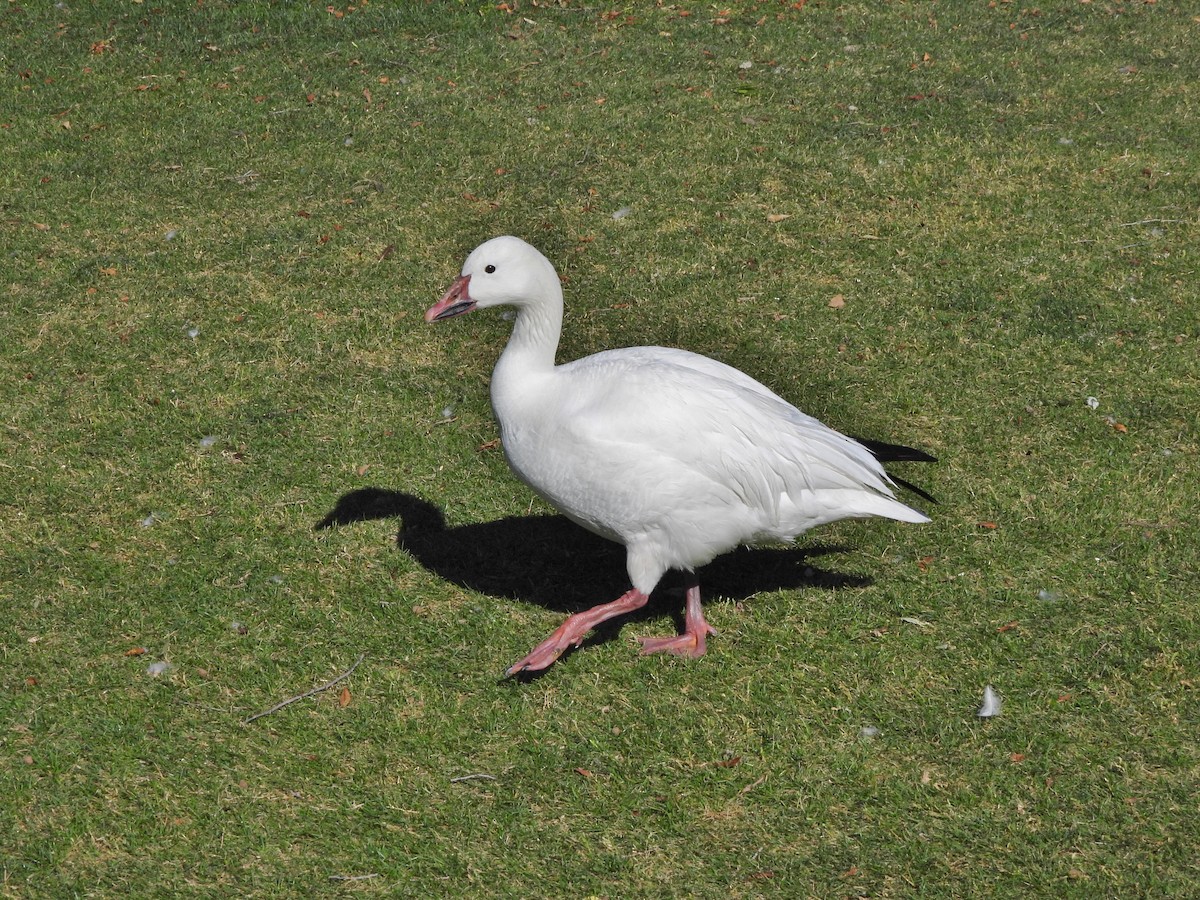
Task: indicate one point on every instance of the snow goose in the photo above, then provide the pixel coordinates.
(675, 455)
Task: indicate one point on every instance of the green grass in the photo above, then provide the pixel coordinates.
(1006, 199)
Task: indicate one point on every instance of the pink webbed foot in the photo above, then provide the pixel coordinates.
(546, 653)
(572, 632)
(692, 642)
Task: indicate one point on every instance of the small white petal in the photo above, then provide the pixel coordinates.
(157, 668)
(1093, 403)
(622, 213)
(868, 732)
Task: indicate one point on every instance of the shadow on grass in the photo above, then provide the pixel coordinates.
(551, 561)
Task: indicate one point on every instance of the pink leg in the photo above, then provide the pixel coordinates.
(571, 632)
(695, 629)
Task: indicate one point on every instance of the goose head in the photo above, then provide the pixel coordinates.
(504, 271)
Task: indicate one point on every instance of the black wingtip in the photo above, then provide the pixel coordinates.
(885, 452)
(889, 453)
(909, 486)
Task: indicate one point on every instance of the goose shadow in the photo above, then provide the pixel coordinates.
(550, 561)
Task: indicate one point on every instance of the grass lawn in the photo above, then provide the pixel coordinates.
(221, 223)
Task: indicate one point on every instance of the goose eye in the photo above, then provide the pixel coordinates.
(489, 269)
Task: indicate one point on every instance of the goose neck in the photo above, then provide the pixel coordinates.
(535, 335)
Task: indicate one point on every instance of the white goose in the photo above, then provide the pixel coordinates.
(676, 456)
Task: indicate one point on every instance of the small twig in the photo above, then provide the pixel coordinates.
(752, 785)
(479, 776)
(1151, 222)
(324, 687)
(353, 877)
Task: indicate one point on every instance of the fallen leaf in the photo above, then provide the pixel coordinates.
(837, 301)
(1017, 757)
(386, 252)
(1009, 626)
(488, 445)
(344, 698)
(109, 270)
(584, 772)
(304, 213)
(778, 217)
(135, 651)
(728, 763)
